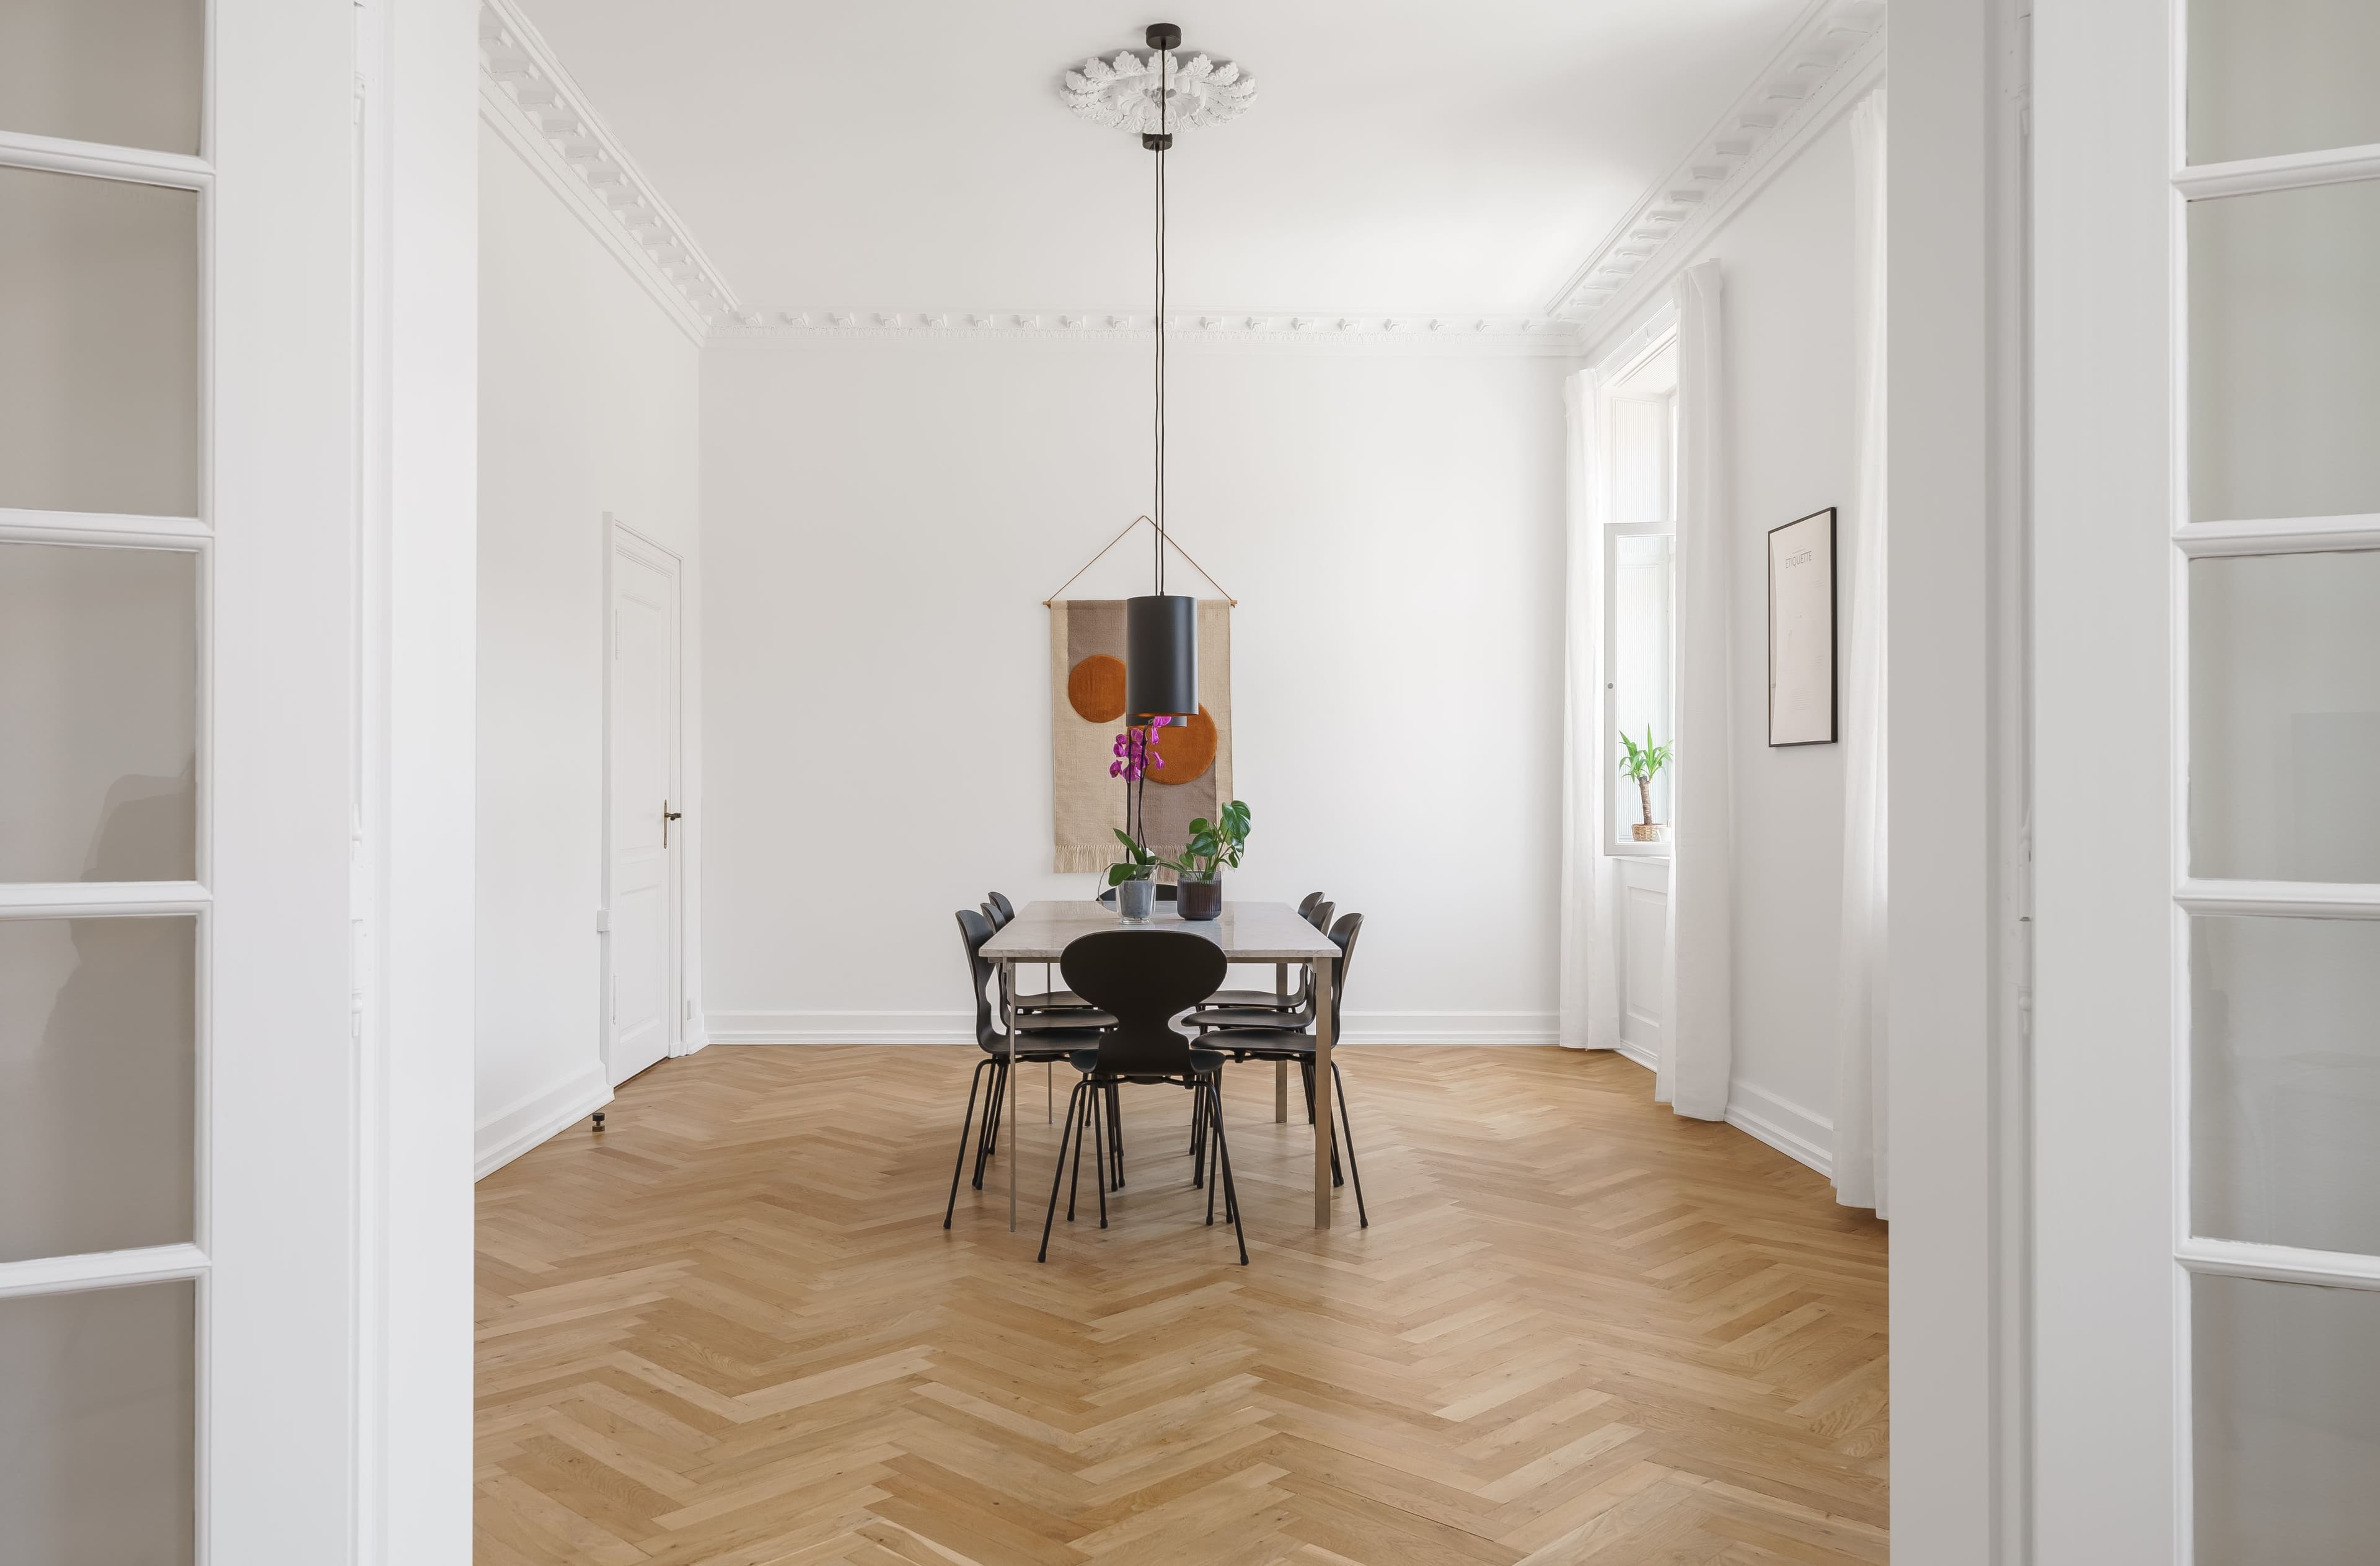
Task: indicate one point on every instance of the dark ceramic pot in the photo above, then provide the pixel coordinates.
(1202, 899)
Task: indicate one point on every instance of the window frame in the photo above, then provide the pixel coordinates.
(1661, 341)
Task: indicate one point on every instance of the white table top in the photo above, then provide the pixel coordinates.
(1248, 932)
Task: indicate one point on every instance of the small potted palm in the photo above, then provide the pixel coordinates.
(1212, 845)
(1644, 762)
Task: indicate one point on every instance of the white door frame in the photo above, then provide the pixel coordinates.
(1959, 1120)
(617, 534)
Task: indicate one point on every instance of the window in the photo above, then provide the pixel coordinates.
(1640, 414)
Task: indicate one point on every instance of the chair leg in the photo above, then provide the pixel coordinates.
(1223, 1161)
(1083, 1123)
(1057, 1179)
(1307, 1068)
(966, 1123)
(1200, 1136)
(1115, 1131)
(995, 1097)
(1338, 1091)
(1207, 1119)
(1099, 1144)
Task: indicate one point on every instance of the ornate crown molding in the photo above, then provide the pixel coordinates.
(527, 96)
(1322, 331)
(1836, 47)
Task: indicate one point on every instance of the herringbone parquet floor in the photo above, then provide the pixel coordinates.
(731, 1330)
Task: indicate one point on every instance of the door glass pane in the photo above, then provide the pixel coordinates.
(98, 1075)
(2285, 353)
(2285, 717)
(2281, 75)
(125, 72)
(99, 705)
(1640, 675)
(2285, 1082)
(97, 1427)
(99, 346)
(2286, 1416)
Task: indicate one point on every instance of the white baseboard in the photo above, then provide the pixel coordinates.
(1452, 1028)
(958, 1027)
(1641, 1053)
(840, 1028)
(508, 1134)
(1785, 1126)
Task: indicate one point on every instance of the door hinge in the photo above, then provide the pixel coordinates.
(602, 921)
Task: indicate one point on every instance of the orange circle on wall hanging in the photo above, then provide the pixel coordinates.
(1188, 749)
(1094, 688)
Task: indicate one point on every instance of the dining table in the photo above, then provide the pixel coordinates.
(1252, 932)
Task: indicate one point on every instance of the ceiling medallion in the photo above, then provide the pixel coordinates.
(1123, 91)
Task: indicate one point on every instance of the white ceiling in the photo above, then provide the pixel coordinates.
(1414, 155)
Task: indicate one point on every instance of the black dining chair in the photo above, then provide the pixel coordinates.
(1029, 1005)
(1274, 1001)
(1250, 1036)
(1294, 1010)
(1057, 1044)
(1144, 978)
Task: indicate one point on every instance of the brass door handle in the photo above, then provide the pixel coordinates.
(668, 816)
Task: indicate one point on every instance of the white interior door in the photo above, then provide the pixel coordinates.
(176, 502)
(2208, 1276)
(644, 793)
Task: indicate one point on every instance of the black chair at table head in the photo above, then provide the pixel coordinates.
(1144, 978)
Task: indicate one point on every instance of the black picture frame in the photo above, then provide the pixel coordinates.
(1799, 730)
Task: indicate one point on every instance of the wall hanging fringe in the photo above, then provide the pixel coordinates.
(1119, 539)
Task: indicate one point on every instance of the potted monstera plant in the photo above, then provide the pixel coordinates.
(1644, 762)
(1212, 845)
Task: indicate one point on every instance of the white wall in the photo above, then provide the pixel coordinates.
(881, 522)
(1786, 260)
(589, 404)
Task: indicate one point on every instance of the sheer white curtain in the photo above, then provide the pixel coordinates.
(1860, 1148)
(1698, 1041)
(1590, 989)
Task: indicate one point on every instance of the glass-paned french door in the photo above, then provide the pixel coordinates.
(2277, 905)
(105, 558)
(176, 504)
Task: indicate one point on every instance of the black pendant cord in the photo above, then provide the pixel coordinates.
(1164, 74)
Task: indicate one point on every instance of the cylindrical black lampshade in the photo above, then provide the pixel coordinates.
(1161, 657)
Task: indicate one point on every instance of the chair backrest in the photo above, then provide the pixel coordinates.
(1306, 909)
(1319, 915)
(993, 916)
(1344, 935)
(1003, 908)
(1144, 978)
(1166, 893)
(974, 930)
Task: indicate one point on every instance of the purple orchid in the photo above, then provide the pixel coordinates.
(1137, 756)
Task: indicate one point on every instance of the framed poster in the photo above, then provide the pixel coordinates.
(1802, 631)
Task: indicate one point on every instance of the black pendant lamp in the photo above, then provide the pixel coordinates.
(1161, 657)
